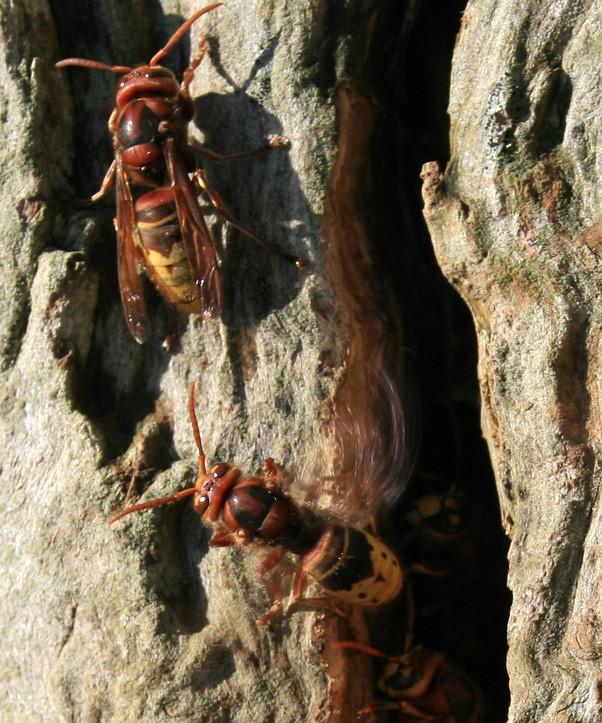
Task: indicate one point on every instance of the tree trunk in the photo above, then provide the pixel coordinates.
(142, 620)
(515, 224)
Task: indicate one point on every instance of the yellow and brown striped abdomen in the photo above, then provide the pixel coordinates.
(162, 249)
(354, 566)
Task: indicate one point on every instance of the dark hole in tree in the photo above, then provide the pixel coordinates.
(409, 72)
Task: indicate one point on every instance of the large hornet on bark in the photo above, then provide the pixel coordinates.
(350, 565)
(158, 178)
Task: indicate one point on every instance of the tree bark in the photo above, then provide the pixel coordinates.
(515, 221)
(141, 621)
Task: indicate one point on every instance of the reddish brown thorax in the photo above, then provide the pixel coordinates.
(149, 106)
(252, 509)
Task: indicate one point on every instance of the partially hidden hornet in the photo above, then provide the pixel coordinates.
(350, 565)
(423, 686)
(159, 221)
(438, 523)
(419, 683)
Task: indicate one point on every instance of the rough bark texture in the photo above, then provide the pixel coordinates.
(142, 621)
(138, 622)
(515, 221)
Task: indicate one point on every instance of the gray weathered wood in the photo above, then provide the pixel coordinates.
(137, 622)
(515, 221)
